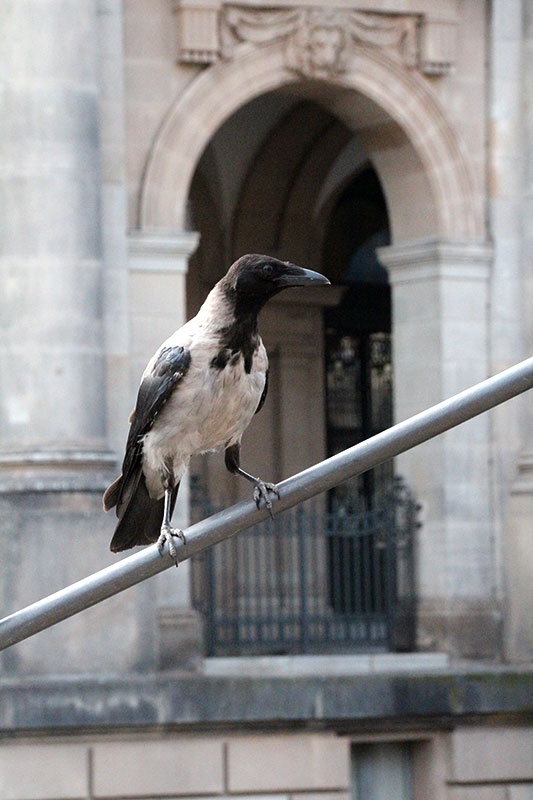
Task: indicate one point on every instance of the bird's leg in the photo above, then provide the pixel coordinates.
(167, 531)
(263, 490)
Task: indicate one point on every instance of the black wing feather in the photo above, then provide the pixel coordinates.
(169, 368)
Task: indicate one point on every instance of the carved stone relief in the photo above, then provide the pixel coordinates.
(317, 42)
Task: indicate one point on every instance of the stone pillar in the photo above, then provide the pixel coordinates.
(52, 421)
(114, 220)
(158, 265)
(512, 218)
(440, 346)
(54, 461)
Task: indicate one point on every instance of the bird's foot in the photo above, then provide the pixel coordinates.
(167, 535)
(264, 492)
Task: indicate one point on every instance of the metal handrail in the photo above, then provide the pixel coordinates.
(318, 478)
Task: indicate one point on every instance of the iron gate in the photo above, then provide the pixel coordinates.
(312, 580)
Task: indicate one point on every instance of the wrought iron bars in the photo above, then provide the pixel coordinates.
(312, 579)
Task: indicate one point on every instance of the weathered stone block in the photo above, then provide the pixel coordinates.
(42, 771)
(493, 754)
(288, 763)
(170, 767)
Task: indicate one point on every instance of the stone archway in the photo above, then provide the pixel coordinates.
(439, 268)
(399, 111)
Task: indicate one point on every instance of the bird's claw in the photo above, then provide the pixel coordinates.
(167, 535)
(263, 492)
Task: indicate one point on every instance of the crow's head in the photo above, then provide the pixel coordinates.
(253, 279)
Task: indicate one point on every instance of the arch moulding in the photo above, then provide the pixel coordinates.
(397, 90)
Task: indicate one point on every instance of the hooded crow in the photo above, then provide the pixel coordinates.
(199, 393)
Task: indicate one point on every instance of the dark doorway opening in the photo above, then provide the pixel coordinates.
(358, 385)
(358, 333)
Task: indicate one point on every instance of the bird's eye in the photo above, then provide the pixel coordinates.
(267, 269)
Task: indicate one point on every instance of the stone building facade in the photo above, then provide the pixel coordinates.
(144, 145)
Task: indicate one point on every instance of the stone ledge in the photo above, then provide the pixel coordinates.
(334, 702)
(325, 665)
(56, 470)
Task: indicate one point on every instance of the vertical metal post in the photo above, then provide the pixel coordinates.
(211, 605)
(304, 633)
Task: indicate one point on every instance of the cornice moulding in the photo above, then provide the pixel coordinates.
(429, 259)
(150, 251)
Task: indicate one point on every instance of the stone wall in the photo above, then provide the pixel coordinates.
(490, 764)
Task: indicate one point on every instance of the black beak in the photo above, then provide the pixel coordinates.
(297, 276)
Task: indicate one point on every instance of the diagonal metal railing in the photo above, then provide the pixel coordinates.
(318, 478)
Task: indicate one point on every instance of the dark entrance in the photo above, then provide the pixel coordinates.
(358, 386)
(334, 574)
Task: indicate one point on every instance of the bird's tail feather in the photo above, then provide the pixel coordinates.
(112, 494)
(140, 516)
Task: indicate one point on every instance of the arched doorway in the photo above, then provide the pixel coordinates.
(438, 262)
(303, 188)
(414, 148)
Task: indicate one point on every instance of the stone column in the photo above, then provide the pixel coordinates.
(158, 264)
(54, 461)
(114, 220)
(52, 421)
(440, 346)
(512, 218)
